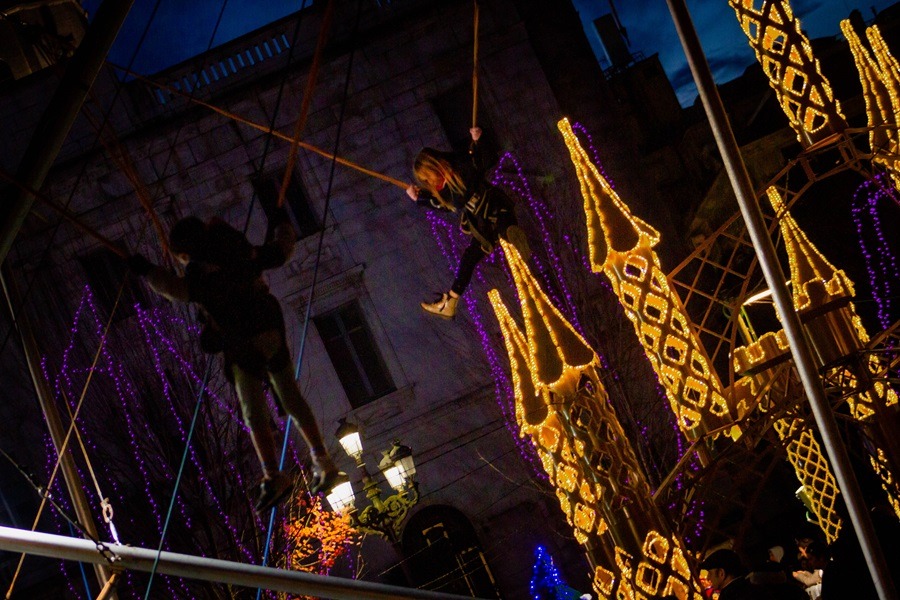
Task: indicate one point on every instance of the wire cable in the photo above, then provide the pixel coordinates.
(312, 287)
(184, 455)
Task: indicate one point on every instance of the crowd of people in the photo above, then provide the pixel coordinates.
(807, 569)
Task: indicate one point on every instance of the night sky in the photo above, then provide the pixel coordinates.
(182, 29)
(650, 30)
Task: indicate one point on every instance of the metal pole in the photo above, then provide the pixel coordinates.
(768, 260)
(51, 416)
(58, 117)
(211, 569)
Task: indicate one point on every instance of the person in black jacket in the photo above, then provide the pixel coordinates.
(223, 275)
(727, 575)
(456, 183)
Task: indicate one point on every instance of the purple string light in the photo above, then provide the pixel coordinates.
(113, 389)
(881, 264)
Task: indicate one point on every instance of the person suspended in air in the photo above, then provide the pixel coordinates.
(243, 320)
(456, 182)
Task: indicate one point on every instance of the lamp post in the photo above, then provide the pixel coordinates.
(383, 516)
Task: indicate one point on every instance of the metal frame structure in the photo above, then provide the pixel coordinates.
(759, 233)
(207, 569)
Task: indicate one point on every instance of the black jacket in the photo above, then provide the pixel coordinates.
(480, 205)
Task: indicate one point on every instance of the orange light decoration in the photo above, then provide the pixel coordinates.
(787, 59)
(822, 296)
(562, 406)
(316, 537)
(880, 78)
(621, 246)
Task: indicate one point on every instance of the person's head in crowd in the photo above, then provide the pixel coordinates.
(722, 567)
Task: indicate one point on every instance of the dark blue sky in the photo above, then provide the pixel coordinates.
(651, 31)
(177, 33)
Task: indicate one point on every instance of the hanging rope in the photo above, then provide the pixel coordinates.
(66, 214)
(65, 444)
(122, 159)
(184, 455)
(117, 91)
(475, 71)
(267, 130)
(44, 493)
(105, 505)
(307, 100)
(312, 287)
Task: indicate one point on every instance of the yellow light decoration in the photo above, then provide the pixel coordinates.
(621, 246)
(880, 78)
(818, 284)
(785, 54)
(815, 281)
(587, 457)
(888, 484)
(822, 296)
(813, 471)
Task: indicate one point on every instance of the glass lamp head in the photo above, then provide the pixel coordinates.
(341, 497)
(391, 471)
(348, 435)
(403, 460)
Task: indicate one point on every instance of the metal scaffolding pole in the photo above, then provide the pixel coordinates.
(210, 569)
(51, 416)
(58, 117)
(771, 268)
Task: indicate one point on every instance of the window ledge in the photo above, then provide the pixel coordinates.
(385, 407)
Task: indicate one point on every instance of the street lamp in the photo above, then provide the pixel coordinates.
(383, 516)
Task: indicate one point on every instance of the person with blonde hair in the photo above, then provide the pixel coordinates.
(454, 182)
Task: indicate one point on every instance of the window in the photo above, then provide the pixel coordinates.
(302, 216)
(354, 354)
(105, 273)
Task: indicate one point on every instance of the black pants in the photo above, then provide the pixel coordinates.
(474, 253)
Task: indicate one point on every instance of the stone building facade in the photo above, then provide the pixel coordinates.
(370, 355)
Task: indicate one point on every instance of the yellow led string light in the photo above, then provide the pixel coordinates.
(888, 484)
(814, 472)
(822, 296)
(786, 56)
(621, 246)
(815, 281)
(880, 79)
(563, 407)
(763, 360)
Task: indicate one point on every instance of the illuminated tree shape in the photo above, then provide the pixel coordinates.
(546, 582)
(880, 78)
(562, 406)
(822, 297)
(787, 59)
(621, 246)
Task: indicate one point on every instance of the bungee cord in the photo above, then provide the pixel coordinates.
(307, 100)
(312, 287)
(72, 427)
(271, 131)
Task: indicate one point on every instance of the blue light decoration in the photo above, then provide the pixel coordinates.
(546, 583)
